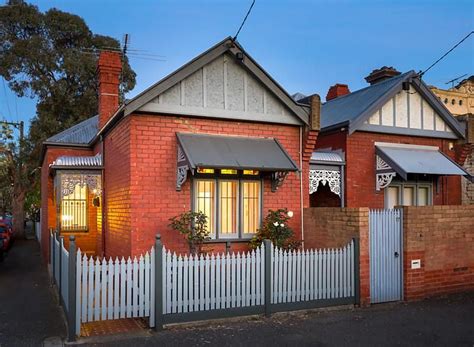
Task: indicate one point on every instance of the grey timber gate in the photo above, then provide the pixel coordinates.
(386, 251)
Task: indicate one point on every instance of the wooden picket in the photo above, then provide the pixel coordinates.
(303, 275)
(108, 289)
(112, 289)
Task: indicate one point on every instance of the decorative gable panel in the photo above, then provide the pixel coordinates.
(222, 88)
(408, 110)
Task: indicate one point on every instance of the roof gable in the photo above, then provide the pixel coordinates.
(365, 110)
(223, 82)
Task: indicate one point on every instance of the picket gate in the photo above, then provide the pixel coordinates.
(113, 288)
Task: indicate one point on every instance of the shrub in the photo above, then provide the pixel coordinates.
(194, 226)
(275, 228)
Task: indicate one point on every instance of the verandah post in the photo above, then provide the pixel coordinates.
(356, 271)
(71, 312)
(158, 283)
(268, 276)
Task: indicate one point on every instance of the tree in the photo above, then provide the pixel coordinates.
(51, 56)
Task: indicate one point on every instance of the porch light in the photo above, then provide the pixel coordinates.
(290, 214)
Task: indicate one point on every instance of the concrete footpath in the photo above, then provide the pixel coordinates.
(28, 311)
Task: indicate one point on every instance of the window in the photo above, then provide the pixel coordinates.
(74, 210)
(408, 194)
(232, 204)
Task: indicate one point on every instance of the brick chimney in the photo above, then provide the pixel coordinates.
(337, 90)
(109, 68)
(379, 75)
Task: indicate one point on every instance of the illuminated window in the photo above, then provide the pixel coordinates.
(228, 172)
(251, 172)
(233, 206)
(74, 210)
(205, 201)
(408, 194)
(228, 208)
(251, 206)
(205, 171)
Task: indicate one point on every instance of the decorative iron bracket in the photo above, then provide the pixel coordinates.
(384, 174)
(277, 179)
(331, 177)
(181, 169)
(70, 180)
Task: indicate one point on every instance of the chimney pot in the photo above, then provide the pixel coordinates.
(109, 68)
(382, 74)
(337, 90)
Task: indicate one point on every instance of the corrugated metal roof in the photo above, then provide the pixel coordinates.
(332, 156)
(81, 133)
(405, 159)
(351, 106)
(215, 151)
(72, 161)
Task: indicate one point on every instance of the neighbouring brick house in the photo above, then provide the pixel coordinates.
(392, 143)
(218, 135)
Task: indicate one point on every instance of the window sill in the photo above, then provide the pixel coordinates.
(234, 240)
(80, 231)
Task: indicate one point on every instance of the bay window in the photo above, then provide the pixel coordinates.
(231, 200)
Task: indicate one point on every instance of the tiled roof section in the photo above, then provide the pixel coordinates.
(74, 161)
(334, 157)
(81, 133)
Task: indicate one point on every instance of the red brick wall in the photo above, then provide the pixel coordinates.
(360, 167)
(152, 196)
(48, 207)
(442, 237)
(117, 192)
(330, 227)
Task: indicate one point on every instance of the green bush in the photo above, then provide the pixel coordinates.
(194, 226)
(275, 228)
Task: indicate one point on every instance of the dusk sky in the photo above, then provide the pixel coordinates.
(305, 45)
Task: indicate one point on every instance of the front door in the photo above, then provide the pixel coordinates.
(386, 270)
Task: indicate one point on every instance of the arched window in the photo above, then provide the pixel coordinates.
(446, 100)
(460, 102)
(453, 102)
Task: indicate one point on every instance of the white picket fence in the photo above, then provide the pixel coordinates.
(210, 282)
(113, 289)
(262, 280)
(303, 275)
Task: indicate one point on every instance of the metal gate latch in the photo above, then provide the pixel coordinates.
(396, 254)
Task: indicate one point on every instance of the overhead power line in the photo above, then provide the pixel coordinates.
(243, 22)
(445, 54)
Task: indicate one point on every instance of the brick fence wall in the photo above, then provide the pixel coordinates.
(442, 237)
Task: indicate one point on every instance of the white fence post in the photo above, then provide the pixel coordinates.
(268, 275)
(71, 312)
(159, 285)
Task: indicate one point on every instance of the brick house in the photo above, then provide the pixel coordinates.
(392, 143)
(218, 135)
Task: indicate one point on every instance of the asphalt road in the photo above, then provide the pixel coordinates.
(447, 321)
(29, 315)
(28, 311)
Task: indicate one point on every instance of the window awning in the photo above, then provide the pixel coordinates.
(231, 152)
(405, 159)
